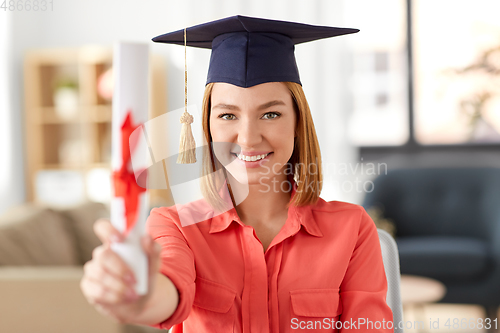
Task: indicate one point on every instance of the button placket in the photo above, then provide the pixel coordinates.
(273, 299)
(255, 314)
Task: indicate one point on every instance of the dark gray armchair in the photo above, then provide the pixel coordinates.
(447, 228)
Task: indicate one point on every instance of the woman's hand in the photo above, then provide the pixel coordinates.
(108, 282)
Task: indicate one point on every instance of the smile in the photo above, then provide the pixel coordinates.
(252, 158)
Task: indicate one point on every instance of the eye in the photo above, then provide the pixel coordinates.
(227, 116)
(271, 115)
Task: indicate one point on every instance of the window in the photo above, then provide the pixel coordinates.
(456, 63)
(379, 80)
(425, 73)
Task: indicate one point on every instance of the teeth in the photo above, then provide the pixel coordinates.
(251, 158)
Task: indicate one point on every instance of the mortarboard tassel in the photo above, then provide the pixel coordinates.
(187, 145)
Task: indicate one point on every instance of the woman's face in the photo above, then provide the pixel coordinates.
(258, 123)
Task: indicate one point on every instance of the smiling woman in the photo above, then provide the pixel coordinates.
(280, 255)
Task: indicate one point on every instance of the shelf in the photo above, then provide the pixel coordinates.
(77, 146)
(101, 113)
(102, 148)
(60, 166)
(66, 144)
(48, 115)
(99, 165)
(90, 114)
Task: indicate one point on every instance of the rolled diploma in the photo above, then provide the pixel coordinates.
(130, 250)
(130, 70)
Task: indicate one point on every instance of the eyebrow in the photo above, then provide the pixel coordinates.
(271, 103)
(261, 107)
(225, 106)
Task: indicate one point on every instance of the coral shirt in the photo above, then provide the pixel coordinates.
(325, 265)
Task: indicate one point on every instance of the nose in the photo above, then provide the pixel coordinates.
(249, 133)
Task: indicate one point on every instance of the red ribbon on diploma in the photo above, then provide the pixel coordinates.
(124, 179)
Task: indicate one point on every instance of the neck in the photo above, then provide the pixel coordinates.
(264, 202)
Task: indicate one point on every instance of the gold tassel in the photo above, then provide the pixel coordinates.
(187, 145)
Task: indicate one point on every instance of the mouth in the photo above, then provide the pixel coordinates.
(251, 158)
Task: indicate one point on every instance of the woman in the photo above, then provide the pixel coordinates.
(282, 259)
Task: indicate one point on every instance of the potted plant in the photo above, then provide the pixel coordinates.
(66, 98)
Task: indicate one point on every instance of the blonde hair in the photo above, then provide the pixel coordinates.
(306, 153)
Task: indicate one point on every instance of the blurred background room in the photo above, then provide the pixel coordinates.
(407, 113)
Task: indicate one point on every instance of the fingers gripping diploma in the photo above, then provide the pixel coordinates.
(109, 282)
(131, 252)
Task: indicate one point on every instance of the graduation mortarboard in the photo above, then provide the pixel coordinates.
(248, 51)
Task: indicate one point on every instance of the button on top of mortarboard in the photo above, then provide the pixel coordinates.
(247, 51)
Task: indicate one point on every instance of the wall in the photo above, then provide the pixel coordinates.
(11, 176)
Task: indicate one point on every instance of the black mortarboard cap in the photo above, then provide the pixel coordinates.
(247, 51)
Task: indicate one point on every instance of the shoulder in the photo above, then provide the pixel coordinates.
(197, 211)
(193, 215)
(163, 214)
(339, 208)
(163, 221)
(341, 213)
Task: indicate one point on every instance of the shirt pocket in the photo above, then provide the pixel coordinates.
(214, 309)
(315, 309)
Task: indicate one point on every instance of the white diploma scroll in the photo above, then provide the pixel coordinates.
(130, 110)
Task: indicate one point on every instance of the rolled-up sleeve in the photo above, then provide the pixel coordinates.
(177, 262)
(364, 287)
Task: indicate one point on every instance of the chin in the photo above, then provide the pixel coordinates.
(242, 177)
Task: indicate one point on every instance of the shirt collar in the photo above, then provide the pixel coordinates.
(303, 215)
